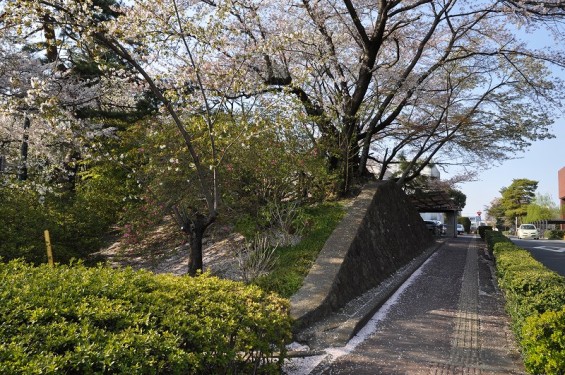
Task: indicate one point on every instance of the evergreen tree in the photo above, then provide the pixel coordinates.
(516, 197)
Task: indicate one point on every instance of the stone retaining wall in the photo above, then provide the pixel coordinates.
(380, 233)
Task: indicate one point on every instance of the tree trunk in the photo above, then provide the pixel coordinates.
(50, 38)
(194, 229)
(349, 152)
(22, 170)
(71, 169)
(196, 235)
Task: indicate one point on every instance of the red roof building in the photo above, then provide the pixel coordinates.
(561, 177)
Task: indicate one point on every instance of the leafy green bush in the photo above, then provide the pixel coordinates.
(544, 342)
(530, 288)
(482, 230)
(494, 237)
(247, 226)
(535, 300)
(22, 220)
(78, 320)
(77, 221)
(555, 234)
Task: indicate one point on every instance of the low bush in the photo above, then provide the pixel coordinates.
(555, 234)
(493, 238)
(482, 230)
(294, 262)
(535, 300)
(77, 224)
(544, 342)
(257, 258)
(78, 320)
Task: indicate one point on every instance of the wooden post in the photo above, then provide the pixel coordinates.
(49, 251)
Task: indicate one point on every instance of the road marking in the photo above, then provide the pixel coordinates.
(549, 248)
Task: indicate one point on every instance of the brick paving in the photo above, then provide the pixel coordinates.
(449, 321)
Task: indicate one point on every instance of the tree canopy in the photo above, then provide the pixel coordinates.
(370, 80)
(450, 82)
(541, 208)
(514, 201)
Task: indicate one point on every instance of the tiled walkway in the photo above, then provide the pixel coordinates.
(449, 320)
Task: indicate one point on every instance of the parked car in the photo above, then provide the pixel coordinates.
(432, 226)
(527, 231)
(460, 229)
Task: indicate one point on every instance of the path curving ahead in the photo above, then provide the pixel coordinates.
(448, 318)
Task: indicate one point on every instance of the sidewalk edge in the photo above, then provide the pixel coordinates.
(338, 328)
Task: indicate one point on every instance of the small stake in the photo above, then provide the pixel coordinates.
(49, 251)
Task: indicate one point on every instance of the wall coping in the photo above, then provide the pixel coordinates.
(318, 284)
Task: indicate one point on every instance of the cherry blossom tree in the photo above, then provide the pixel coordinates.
(428, 77)
(56, 114)
(165, 45)
(434, 80)
(46, 92)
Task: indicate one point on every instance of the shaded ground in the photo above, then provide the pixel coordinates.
(449, 319)
(165, 250)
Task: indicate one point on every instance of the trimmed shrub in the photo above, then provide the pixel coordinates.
(544, 343)
(535, 300)
(78, 320)
(555, 234)
(482, 230)
(529, 286)
(494, 237)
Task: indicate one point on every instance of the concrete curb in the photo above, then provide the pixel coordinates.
(338, 328)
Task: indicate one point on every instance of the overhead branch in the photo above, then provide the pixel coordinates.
(357, 22)
(122, 52)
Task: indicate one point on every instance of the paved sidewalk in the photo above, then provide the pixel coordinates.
(448, 318)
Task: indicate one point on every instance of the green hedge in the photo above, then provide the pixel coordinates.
(78, 320)
(555, 234)
(482, 229)
(535, 300)
(495, 237)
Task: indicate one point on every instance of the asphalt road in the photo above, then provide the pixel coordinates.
(549, 252)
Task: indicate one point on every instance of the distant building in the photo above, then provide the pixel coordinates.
(561, 178)
(432, 172)
(393, 170)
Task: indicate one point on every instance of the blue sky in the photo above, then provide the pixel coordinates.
(540, 162)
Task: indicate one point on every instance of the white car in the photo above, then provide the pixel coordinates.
(460, 229)
(527, 231)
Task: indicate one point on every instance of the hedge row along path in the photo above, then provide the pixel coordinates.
(535, 300)
(79, 320)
